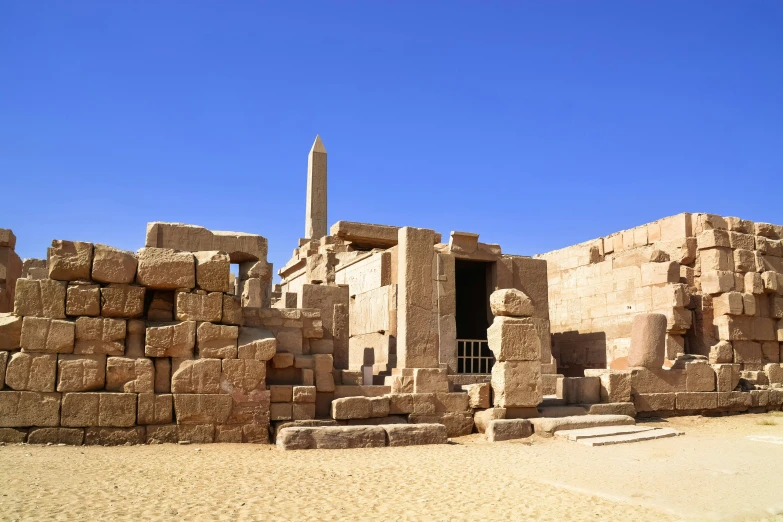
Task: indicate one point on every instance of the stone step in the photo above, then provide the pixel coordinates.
(561, 411)
(600, 431)
(658, 433)
(546, 426)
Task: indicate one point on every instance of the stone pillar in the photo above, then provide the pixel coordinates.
(417, 321)
(315, 218)
(516, 343)
(648, 341)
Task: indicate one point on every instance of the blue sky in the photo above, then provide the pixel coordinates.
(536, 124)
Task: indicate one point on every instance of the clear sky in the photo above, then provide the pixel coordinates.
(536, 124)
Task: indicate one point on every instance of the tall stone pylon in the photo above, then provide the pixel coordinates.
(315, 219)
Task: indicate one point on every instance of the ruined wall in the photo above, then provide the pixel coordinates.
(10, 269)
(115, 347)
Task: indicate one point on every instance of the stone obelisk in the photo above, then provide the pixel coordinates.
(315, 219)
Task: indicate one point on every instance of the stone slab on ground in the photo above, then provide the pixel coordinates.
(508, 429)
(415, 434)
(600, 431)
(659, 433)
(561, 411)
(547, 426)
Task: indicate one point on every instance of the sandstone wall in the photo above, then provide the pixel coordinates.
(716, 279)
(115, 347)
(10, 269)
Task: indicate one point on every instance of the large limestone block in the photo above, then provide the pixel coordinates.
(154, 408)
(161, 307)
(730, 303)
(244, 375)
(479, 395)
(457, 424)
(734, 328)
(199, 306)
(130, 375)
(331, 437)
(430, 380)
(98, 436)
(508, 429)
(112, 265)
(660, 273)
(31, 372)
(717, 281)
(79, 373)
(23, 409)
(83, 299)
(41, 334)
(648, 341)
(415, 434)
(514, 339)
(645, 380)
(98, 409)
(303, 394)
(772, 281)
(40, 298)
(68, 436)
(217, 341)
(232, 310)
(69, 260)
(202, 408)
(517, 384)
(696, 401)
(7, 238)
(118, 300)
(165, 269)
(212, 271)
(251, 292)
(699, 377)
(240, 246)
(162, 375)
(100, 335)
(510, 302)
(417, 329)
(196, 376)
(351, 408)
(256, 343)
(713, 239)
(615, 385)
(582, 390)
(10, 332)
(170, 340)
(774, 373)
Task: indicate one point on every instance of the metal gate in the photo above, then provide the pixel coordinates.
(474, 356)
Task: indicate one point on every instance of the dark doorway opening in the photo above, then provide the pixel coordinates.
(472, 282)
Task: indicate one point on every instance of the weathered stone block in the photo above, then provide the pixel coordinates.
(582, 390)
(774, 373)
(510, 302)
(479, 395)
(112, 265)
(170, 340)
(217, 341)
(69, 260)
(199, 306)
(747, 352)
(154, 408)
(351, 408)
(457, 424)
(162, 375)
(165, 269)
(281, 393)
(10, 332)
(660, 273)
(242, 374)
(717, 281)
(99, 335)
(232, 310)
(517, 384)
(331, 437)
(212, 271)
(645, 402)
(696, 401)
(303, 411)
(23, 409)
(731, 328)
(228, 434)
(97, 436)
(415, 434)
(281, 411)
(430, 380)
(514, 339)
(167, 433)
(202, 408)
(452, 402)
(303, 394)
(508, 429)
(31, 372)
(256, 343)
(196, 376)
(721, 353)
(130, 375)
(40, 298)
(730, 303)
(648, 341)
(324, 382)
(727, 376)
(699, 377)
(83, 299)
(98, 409)
(69, 436)
(119, 300)
(79, 373)
(644, 381)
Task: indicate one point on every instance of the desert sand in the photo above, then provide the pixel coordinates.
(719, 470)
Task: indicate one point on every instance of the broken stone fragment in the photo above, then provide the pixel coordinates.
(510, 302)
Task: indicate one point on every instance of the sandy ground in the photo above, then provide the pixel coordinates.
(714, 472)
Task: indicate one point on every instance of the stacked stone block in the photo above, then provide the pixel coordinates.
(115, 347)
